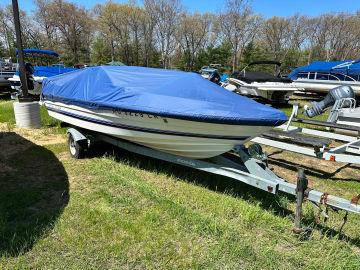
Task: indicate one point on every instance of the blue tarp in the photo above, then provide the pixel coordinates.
(166, 93)
(45, 71)
(349, 67)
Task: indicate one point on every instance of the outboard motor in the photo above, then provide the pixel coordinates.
(334, 94)
(29, 75)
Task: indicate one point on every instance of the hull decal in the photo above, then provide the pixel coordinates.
(149, 130)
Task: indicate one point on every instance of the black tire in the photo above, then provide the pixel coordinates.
(278, 98)
(75, 149)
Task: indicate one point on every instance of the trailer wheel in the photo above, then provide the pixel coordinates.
(75, 149)
(280, 98)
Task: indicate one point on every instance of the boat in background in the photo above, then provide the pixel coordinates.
(212, 74)
(322, 76)
(172, 111)
(206, 72)
(263, 85)
(7, 70)
(37, 73)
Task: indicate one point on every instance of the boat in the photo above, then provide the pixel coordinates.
(7, 70)
(263, 85)
(171, 111)
(37, 73)
(349, 116)
(212, 74)
(206, 72)
(322, 76)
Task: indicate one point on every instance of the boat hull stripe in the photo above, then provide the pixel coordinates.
(142, 129)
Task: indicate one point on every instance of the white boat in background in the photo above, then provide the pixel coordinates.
(183, 115)
(7, 70)
(322, 76)
(264, 85)
(206, 72)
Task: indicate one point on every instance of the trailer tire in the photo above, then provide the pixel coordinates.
(75, 149)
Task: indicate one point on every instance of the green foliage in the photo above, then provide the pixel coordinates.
(253, 53)
(100, 51)
(214, 55)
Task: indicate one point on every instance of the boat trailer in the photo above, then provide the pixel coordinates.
(247, 165)
(312, 142)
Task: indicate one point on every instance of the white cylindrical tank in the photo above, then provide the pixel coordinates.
(27, 114)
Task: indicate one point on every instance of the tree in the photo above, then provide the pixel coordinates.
(193, 35)
(46, 23)
(100, 51)
(7, 34)
(73, 25)
(214, 54)
(239, 27)
(165, 15)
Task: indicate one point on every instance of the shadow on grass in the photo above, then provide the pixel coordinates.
(276, 204)
(4, 95)
(34, 190)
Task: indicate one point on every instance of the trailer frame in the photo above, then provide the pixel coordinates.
(252, 169)
(347, 152)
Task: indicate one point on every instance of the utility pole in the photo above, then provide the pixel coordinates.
(24, 86)
(27, 112)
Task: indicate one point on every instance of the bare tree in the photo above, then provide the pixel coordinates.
(45, 22)
(297, 25)
(73, 24)
(7, 33)
(165, 15)
(193, 35)
(148, 28)
(238, 25)
(277, 36)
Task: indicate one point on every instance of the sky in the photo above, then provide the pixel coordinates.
(268, 8)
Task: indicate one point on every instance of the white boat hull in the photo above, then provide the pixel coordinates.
(266, 90)
(191, 139)
(323, 86)
(15, 84)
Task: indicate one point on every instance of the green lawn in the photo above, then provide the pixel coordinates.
(119, 210)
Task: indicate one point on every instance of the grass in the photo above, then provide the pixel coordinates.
(119, 210)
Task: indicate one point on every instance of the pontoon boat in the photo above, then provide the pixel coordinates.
(322, 76)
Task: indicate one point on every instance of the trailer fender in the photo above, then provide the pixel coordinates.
(77, 135)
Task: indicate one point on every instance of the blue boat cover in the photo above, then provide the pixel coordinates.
(347, 67)
(39, 51)
(167, 93)
(45, 71)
